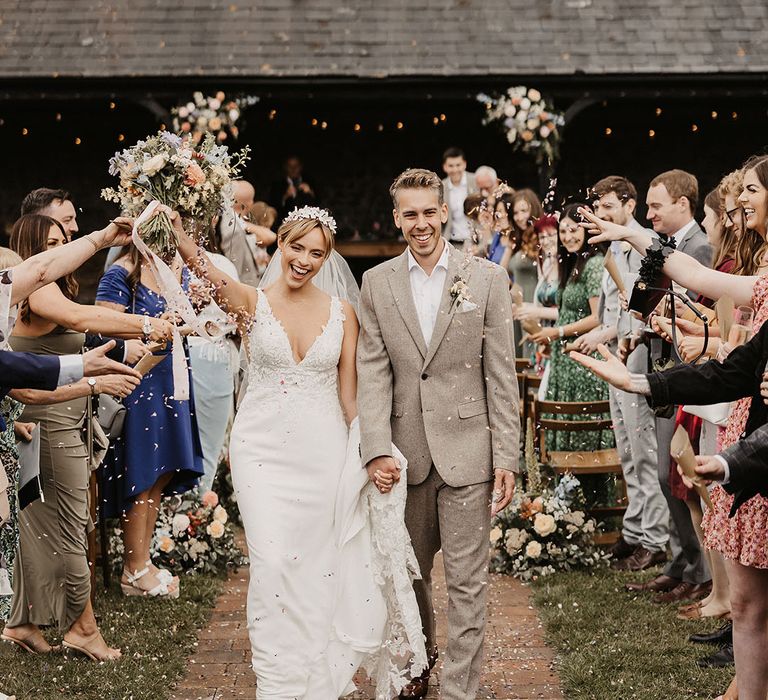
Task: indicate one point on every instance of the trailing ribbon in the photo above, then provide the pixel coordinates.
(212, 328)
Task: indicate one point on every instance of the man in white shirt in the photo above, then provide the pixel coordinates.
(427, 290)
(457, 184)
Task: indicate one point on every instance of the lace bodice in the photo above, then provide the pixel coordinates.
(273, 366)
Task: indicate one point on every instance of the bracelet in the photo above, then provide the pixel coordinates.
(92, 242)
(561, 331)
(653, 263)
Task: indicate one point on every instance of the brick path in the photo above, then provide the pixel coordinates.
(518, 665)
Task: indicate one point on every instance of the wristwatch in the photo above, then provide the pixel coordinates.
(146, 329)
(92, 385)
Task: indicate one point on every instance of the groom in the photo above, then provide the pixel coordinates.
(436, 367)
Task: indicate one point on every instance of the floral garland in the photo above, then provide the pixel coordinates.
(216, 114)
(539, 535)
(192, 535)
(530, 123)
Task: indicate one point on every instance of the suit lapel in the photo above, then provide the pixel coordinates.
(447, 307)
(400, 284)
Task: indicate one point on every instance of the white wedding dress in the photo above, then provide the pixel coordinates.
(331, 564)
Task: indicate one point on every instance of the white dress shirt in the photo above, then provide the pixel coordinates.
(456, 196)
(427, 290)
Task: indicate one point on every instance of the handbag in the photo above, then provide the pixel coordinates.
(110, 415)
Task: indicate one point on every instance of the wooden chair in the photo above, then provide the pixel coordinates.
(601, 462)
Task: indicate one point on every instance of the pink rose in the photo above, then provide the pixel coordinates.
(194, 175)
(210, 499)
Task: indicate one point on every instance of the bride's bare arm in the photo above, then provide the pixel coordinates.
(682, 268)
(237, 298)
(347, 368)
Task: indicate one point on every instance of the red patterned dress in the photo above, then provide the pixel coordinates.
(744, 537)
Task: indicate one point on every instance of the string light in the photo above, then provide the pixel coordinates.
(443, 117)
(713, 114)
(162, 127)
(608, 131)
(58, 116)
(121, 137)
(435, 120)
(651, 133)
(694, 128)
(357, 127)
(272, 114)
(400, 125)
(77, 141)
(25, 131)
(658, 111)
(324, 125)
(112, 105)
(380, 127)
(734, 115)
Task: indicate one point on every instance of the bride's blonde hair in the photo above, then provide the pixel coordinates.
(291, 231)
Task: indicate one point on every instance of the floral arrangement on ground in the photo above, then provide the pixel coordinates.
(544, 532)
(193, 535)
(194, 179)
(530, 123)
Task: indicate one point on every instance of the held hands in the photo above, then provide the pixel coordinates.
(707, 467)
(503, 490)
(612, 370)
(384, 472)
(96, 363)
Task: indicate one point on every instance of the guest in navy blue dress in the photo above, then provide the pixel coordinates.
(159, 453)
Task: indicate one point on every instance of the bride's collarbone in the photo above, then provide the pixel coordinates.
(302, 321)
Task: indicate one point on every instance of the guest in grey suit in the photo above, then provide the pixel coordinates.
(672, 198)
(436, 367)
(457, 186)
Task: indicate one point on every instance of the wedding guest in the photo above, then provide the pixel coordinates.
(52, 579)
(487, 180)
(55, 203)
(159, 453)
(581, 271)
(645, 529)
(292, 190)
(502, 239)
(737, 526)
(458, 185)
(480, 221)
(672, 199)
(243, 241)
(213, 367)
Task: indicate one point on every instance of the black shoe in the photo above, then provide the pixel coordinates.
(720, 637)
(720, 659)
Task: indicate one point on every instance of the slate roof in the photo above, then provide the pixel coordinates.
(380, 38)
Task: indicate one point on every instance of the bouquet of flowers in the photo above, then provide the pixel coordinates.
(192, 535)
(531, 125)
(193, 179)
(538, 535)
(216, 114)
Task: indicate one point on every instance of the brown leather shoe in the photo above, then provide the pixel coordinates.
(684, 591)
(660, 584)
(621, 549)
(641, 560)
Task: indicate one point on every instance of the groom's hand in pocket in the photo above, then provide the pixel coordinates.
(503, 490)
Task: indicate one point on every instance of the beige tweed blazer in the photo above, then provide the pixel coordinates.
(454, 403)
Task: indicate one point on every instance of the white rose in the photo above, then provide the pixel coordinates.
(545, 131)
(496, 534)
(191, 106)
(544, 524)
(514, 540)
(155, 164)
(213, 103)
(532, 123)
(215, 529)
(183, 112)
(525, 103)
(534, 95)
(576, 517)
(512, 135)
(533, 550)
(180, 523)
(234, 115)
(509, 110)
(220, 515)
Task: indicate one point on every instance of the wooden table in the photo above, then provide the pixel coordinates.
(370, 249)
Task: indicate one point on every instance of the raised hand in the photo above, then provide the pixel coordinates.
(601, 230)
(117, 232)
(612, 370)
(96, 363)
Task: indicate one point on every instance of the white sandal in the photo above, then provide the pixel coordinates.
(161, 590)
(162, 575)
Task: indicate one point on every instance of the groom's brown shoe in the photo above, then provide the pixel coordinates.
(419, 687)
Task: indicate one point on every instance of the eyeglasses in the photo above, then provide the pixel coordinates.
(731, 213)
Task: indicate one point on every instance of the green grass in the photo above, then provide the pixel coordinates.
(156, 637)
(614, 645)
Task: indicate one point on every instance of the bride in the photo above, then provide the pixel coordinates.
(331, 564)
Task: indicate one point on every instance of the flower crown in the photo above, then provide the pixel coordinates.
(322, 215)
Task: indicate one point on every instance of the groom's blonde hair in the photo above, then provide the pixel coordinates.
(291, 231)
(417, 179)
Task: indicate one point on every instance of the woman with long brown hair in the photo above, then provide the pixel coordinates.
(52, 580)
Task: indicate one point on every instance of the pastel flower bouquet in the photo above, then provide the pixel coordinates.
(194, 179)
(530, 123)
(537, 535)
(192, 535)
(217, 114)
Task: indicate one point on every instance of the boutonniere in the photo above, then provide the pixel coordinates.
(460, 294)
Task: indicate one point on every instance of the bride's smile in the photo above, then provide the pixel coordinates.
(303, 257)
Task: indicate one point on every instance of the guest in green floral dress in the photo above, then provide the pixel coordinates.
(581, 273)
(9, 531)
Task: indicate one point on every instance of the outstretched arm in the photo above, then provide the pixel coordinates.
(48, 266)
(682, 268)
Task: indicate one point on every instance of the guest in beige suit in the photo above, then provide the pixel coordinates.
(436, 368)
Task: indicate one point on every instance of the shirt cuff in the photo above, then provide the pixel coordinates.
(727, 476)
(70, 369)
